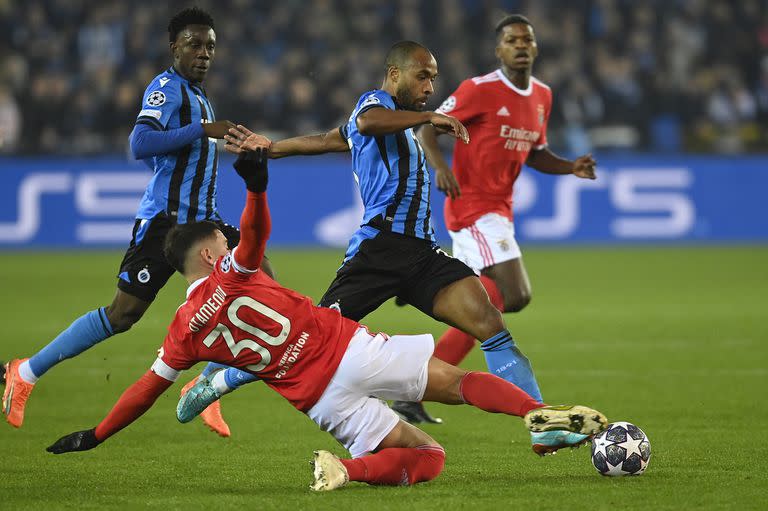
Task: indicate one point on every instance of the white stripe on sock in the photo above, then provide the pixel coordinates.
(25, 371)
(219, 383)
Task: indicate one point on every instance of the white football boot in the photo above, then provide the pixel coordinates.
(328, 471)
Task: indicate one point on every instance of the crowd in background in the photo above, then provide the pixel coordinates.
(665, 75)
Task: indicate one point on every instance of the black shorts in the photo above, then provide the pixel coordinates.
(144, 270)
(389, 265)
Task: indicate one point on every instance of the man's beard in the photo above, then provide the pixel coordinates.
(406, 100)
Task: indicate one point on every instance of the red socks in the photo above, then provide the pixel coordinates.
(455, 345)
(496, 395)
(397, 466)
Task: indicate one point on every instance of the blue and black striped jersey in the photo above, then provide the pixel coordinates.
(184, 182)
(392, 174)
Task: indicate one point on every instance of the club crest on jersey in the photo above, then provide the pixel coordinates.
(540, 109)
(448, 105)
(504, 245)
(144, 276)
(156, 98)
(226, 263)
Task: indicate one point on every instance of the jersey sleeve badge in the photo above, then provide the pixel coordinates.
(156, 98)
(370, 100)
(448, 105)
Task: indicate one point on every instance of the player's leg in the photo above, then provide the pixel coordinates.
(512, 280)
(385, 368)
(143, 272)
(552, 427)
(201, 396)
(448, 290)
(465, 305)
(406, 456)
(488, 247)
(454, 345)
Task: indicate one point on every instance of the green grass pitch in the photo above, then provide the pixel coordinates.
(672, 339)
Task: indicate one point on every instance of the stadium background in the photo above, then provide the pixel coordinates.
(649, 283)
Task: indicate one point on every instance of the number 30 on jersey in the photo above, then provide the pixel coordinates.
(222, 330)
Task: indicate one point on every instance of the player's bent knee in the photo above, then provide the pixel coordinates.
(517, 302)
(429, 465)
(122, 325)
(123, 321)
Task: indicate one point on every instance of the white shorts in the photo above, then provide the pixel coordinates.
(373, 368)
(490, 240)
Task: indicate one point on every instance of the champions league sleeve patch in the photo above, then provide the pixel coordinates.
(370, 100)
(226, 263)
(156, 98)
(448, 105)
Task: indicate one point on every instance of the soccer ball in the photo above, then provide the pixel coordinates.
(621, 450)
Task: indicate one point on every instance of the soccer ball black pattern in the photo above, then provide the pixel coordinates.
(621, 450)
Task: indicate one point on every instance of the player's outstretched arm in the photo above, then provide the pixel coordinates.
(383, 121)
(446, 181)
(137, 399)
(548, 162)
(147, 141)
(255, 221)
(331, 142)
(241, 139)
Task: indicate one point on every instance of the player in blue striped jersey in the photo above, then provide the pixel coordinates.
(175, 135)
(393, 253)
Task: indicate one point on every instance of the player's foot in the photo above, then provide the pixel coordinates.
(576, 419)
(328, 472)
(200, 398)
(556, 427)
(549, 442)
(16, 394)
(414, 412)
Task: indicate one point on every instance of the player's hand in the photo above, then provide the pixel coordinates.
(241, 139)
(252, 167)
(78, 441)
(584, 167)
(217, 129)
(447, 124)
(446, 183)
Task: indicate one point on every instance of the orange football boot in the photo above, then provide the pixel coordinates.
(16, 393)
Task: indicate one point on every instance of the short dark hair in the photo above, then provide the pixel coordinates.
(189, 16)
(398, 54)
(180, 239)
(511, 20)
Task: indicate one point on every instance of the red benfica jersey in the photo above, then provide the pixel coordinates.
(504, 124)
(247, 320)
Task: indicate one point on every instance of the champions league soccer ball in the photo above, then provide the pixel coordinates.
(621, 450)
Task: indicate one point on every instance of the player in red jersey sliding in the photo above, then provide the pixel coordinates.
(506, 114)
(327, 366)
